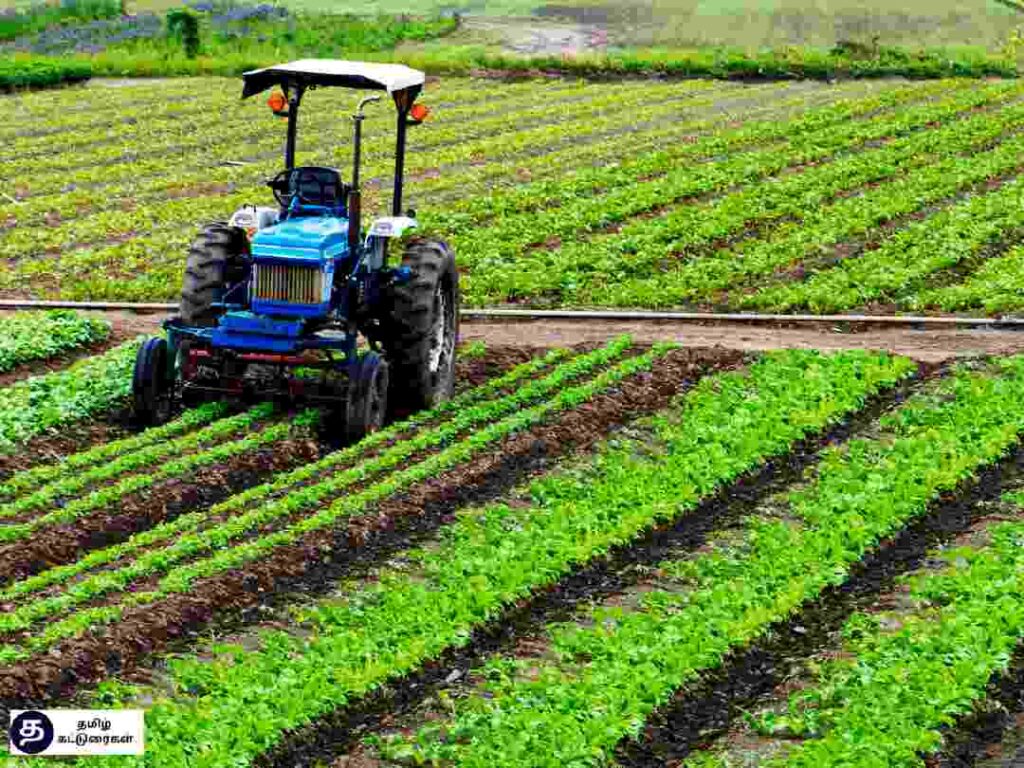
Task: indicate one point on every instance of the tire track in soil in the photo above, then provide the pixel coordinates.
(312, 564)
(700, 714)
(117, 423)
(342, 730)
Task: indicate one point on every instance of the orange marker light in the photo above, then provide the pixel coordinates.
(277, 102)
(419, 112)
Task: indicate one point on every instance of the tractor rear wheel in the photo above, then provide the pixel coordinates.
(152, 387)
(422, 327)
(216, 260)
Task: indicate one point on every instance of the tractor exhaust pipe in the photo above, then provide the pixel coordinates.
(355, 201)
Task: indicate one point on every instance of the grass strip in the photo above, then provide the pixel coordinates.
(611, 673)
(37, 477)
(104, 497)
(40, 404)
(26, 337)
(724, 427)
(142, 459)
(192, 521)
(219, 537)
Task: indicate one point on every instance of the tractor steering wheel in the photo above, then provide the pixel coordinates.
(287, 180)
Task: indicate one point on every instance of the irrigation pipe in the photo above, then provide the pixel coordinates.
(999, 323)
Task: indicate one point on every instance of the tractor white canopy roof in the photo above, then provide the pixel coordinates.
(335, 72)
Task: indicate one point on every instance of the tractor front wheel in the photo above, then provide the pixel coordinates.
(368, 397)
(423, 326)
(152, 387)
(216, 261)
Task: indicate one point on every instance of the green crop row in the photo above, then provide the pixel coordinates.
(606, 675)
(148, 254)
(182, 466)
(30, 336)
(457, 123)
(492, 557)
(115, 222)
(811, 112)
(494, 147)
(37, 477)
(670, 180)
(898, 267)
(639, 246)
(998, 286)
(184, 524)
(167, 232)
(196, 541)
(66, 112)
(898, 684)
(41, 404)
(149, 459)
(459, 141)
(460, 135)
(74, 203)
(820, 229)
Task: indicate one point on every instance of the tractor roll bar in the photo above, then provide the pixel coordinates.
(294, 99)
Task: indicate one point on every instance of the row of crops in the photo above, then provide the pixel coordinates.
(707, 195)
(546, 570)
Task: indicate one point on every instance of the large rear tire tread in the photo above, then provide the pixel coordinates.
(411, 324)
(216, 260)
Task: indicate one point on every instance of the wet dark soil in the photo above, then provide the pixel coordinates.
(701, 713)
(55, 545)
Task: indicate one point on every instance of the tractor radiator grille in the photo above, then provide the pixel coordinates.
(289, 283)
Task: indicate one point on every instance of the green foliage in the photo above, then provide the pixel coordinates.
(25, 71)
(40, 15)
(88, 388)
(183, 27)
(172, 531)
(29, 336)
(604, 678)
(902, 682)
(492, 557)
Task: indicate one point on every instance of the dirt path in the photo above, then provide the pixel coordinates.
(931, 346)
(927, 346)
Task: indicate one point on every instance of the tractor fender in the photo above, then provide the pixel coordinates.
(392, 226)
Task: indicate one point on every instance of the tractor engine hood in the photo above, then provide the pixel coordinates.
(294, 264)
(306, 238)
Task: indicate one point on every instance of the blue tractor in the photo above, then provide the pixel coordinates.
(297, 301)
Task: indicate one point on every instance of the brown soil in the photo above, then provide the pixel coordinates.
(931, 345)
(146, 629)
(60, 544)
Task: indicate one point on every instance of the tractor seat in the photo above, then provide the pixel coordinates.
(318, 187)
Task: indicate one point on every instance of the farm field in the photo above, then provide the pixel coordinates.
(874, 196)
(583, 549)
(711, 22)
